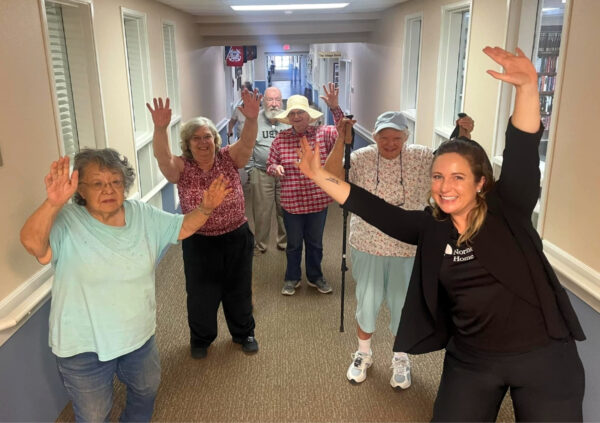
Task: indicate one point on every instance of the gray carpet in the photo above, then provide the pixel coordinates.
(299, 373)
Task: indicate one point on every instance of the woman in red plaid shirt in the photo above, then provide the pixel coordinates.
(304, 203)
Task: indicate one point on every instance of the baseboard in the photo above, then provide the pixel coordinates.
(575, 275)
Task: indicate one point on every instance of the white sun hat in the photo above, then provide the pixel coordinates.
(298, 102)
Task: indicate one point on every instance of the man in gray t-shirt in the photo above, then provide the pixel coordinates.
(265, 189)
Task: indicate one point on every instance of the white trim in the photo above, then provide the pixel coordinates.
(143, 140)
(24, 301)
(157, 188)
(560, 74)
(364, 132)
(99, 122)
(222, 124)
(405, 69)
(575, 275)
(135, 196)
(442, 114)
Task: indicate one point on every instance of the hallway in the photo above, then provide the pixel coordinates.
(299, 374)
(385, 55)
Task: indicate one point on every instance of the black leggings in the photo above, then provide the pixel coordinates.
(219, 269)
(546, 384)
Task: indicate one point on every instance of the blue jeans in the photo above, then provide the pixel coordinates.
(307, 228)
(89, 383)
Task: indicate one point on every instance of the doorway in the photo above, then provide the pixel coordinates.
(286, 72)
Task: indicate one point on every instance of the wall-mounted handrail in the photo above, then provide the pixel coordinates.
(25, 308)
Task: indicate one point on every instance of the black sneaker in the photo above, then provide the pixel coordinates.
(199, 352)
(249, 344)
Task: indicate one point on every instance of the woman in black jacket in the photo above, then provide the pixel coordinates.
(481, 286)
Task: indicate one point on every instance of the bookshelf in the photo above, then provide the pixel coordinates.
(548, 48)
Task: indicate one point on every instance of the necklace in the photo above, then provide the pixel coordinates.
(401, 177)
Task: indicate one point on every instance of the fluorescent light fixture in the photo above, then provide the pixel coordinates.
(271, 7)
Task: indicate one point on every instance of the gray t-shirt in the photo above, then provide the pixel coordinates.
(266, 134)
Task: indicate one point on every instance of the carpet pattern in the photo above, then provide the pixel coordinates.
(299, 373)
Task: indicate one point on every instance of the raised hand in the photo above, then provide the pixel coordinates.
(518, 69)
(331, 95)
(309, 161)
(161, 114)
(215, 194)
(59, 186)
(344, 129)
(250, 103)
(520, 72)
(465, 126)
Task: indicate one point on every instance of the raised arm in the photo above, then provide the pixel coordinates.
(334, 163)
(310, 166)
(520, 72)
(211, 199)
(242, 150)
(404, 225)
(519, 181)
(171, 166)
(35, 234)
(331, 98)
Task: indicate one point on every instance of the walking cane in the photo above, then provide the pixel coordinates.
(347, 151)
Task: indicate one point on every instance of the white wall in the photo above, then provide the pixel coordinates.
(29, 140)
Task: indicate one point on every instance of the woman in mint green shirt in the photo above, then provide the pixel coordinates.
(104, 250)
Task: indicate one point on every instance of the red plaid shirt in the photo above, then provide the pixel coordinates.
(300, 195)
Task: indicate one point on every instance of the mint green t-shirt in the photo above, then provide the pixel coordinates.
(103, 297)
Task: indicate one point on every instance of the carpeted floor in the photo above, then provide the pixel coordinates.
(299, 373)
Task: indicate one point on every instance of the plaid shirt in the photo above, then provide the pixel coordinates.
(300, 195)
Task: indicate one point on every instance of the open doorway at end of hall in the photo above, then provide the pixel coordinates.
(287, 72)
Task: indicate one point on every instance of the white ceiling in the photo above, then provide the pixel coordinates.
(222, 7)
(218, 24)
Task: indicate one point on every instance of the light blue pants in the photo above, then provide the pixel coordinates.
(379, 277)
(89, 383)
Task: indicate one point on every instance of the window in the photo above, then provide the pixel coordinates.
(72, 59)
(139, 72)
(150, 179)
(172, 92)
(410, 74)
(345, 81)
(451, 69)
(171, 67)
(539, 26)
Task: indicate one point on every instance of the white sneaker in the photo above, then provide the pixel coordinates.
(357, 372)
(401, 372)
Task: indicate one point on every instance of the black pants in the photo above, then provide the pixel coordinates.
(546, 384)
(219, 269)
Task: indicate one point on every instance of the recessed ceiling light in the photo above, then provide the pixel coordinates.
(270, 7)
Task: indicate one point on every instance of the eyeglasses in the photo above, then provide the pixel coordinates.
(117, 185)
(298, 113)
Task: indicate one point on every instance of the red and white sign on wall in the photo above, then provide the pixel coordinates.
(235, 56)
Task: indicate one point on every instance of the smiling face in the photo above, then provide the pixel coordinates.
(389, 142)
(299, 119)
(272, 102)
(453, 186)
(102, 189)
(202, 145)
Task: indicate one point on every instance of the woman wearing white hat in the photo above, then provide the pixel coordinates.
(304, 203)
